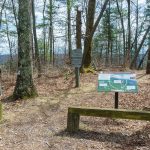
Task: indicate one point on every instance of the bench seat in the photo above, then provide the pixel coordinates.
(74, 114)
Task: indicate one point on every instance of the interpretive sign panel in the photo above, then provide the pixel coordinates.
(117, 82)
(76, 58)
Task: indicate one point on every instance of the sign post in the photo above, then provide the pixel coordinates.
(76, 60)
(117, 82)
(116, 100)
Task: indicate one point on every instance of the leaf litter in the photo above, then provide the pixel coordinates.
(40, 123)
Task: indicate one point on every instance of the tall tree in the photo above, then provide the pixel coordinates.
(1, 11)
(78, 29)
(139, 48)
(69, 26)
(37, 55)
(123, 29)
(51, 30)
(128, 53)
(148, 22)
(24, 84)
(90, 30)
(44, 32)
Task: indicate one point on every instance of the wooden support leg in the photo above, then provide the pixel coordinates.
(73, 122)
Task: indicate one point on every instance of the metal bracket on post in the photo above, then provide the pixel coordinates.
(116, 100)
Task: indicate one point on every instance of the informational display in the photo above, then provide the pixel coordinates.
(76, 58)
(117, 82)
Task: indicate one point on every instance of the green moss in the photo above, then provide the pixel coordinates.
(88, 69)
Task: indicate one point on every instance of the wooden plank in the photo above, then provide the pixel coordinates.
(111, 113)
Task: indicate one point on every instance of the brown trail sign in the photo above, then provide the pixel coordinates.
(76, 61)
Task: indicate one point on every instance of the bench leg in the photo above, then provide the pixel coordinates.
(73, 122)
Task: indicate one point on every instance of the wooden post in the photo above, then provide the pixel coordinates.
(116, 100)
(77, 74)
(73, 122)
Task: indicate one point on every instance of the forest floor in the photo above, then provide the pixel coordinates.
(40, 123)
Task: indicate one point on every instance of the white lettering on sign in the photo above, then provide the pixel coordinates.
(130, 87)
(103, 84)
(117, 81)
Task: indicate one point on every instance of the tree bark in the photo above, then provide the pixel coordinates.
(24, 87)
(69, 26)
(142, 60)
(37, 55)
(90, 30)
(128, 53)
(15, 14)
(123, 30)
(148, 61)
(1, 12)
(88, 38)
(139, 48)
(78, 29)
(44, 34)
(51, 32)
(10, 45)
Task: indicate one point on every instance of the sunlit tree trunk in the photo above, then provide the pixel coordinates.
(69, 26)
(78, 29)
(148, 22)
(51, 31)
(123, 30)
(90, 30)
(1, 12)
(24, 87)
(139, 48)
(37, 55)
(44, 34)
(128, 53)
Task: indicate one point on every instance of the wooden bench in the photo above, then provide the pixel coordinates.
(74, 114)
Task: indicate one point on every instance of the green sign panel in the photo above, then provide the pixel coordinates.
(117, 82)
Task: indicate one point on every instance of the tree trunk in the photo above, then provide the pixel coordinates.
(90, 30)
(148, 62)
(142, 60)
(78, 29)
(136, 34)
(69, 26)
(24, 85)
(51, 32)
(1, 12)
(10, 45)
(128, 53)
(123, 30)
(148, 22)
(88, 38)
(37, 55)
(44, 34)
(15, 14)
(139, 48)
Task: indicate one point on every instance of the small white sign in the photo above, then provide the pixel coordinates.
(103, 84)
(117, 81)
(131, 87)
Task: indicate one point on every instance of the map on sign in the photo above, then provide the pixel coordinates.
(117, 82)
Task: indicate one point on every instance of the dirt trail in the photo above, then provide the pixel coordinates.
(40, 123)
